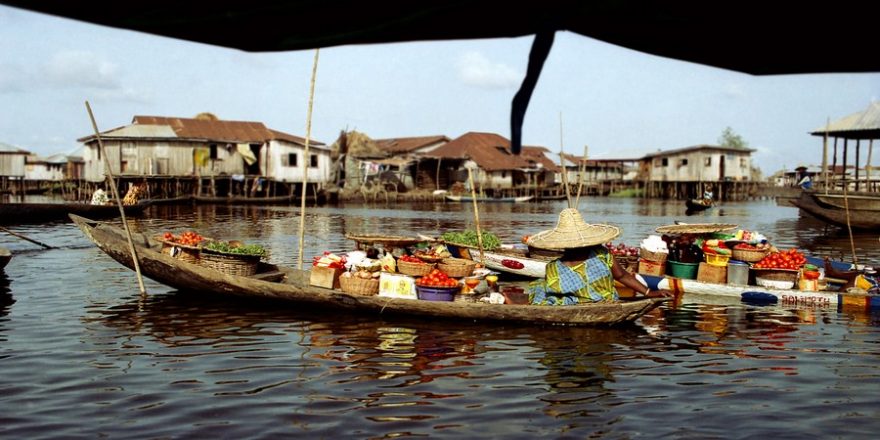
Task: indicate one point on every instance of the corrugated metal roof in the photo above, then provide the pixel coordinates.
(490, 151)
(280, 135)
(861, 125)
(697, 148)
(407, 144)
(142, 130)
(11, 149)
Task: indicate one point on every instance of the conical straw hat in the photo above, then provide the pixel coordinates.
(571, 232)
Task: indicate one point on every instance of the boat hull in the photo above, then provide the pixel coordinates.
(693, 205)
(520, 199)
(23, 213)
(296, 289)
(5, 257)
(857, 219)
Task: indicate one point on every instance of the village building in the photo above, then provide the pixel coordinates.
(12, 168)
(45, 169)
(684, 172)
(599, 176)
(206, 154)
(497, 172)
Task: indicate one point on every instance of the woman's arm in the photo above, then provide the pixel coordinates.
(628, 280)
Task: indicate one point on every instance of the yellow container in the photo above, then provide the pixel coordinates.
(717, 259)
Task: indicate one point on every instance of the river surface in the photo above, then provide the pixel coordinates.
(83, 355)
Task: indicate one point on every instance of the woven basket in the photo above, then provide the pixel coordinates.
(457, 267)
(359, 286)
(750, 256)
(241, 265)
(659, 257)
(182, 252)
(414, 269)
(628, 263)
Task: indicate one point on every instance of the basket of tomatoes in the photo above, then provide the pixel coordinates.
(413, 266)
(185, 246)
(780, 266)
(437, 286)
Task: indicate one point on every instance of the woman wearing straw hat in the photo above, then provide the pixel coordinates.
(586, 271)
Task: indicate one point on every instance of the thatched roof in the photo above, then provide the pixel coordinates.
(358, 145)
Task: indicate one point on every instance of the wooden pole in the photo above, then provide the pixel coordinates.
(134, 257)
(858, 144)
(15, 234)
(302, 208)
(476, 214)
(825, 155)
(581, 172)
(868, 164)
(834, 165)
(564, 168)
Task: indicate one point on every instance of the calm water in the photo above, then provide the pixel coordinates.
(83, 355)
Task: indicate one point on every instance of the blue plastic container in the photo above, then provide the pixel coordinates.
(437, 293)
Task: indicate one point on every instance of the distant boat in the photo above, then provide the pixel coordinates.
(858, 219)
(520, 199)
(697, 204)
(858, 201)
(22, 213)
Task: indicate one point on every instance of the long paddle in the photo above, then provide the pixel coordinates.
(25, 238)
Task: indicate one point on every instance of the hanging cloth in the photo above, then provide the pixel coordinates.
(245, 151)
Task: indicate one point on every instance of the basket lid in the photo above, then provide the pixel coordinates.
(695, 228)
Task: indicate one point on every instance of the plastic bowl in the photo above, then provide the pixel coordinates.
(775, 284)
(437, 293)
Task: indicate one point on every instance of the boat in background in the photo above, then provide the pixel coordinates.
(853, 202)
(857, 219)
(697, 205)
(23, 213)
(519, 199)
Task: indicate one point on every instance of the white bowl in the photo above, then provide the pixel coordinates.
(774, 284)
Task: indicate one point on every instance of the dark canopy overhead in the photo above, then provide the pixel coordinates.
(751, 36)
(756, 37)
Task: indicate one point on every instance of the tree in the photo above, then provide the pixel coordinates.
(729, 138)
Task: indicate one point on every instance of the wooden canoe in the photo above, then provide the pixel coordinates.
(5, 256)
(519, 199)
(294, 287)
(783, 297)
(855, 202)
(858, 219)
(23, 213)
(696, 205)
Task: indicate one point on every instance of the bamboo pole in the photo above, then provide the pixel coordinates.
(858, 144)
(581, 172)
(834, 165)
(476, 215)
(852, 244)
(15, 234)
(564, 168)
(134, 257)
(302, 208)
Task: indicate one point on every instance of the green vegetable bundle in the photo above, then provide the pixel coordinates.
(469, 238)
(245, 249)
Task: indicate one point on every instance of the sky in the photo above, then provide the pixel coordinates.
(618, 102)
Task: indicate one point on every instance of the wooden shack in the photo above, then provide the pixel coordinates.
(12, 168)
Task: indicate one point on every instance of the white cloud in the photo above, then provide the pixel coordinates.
(12, 78)
(82, 69)
(734, 91)
(476, 70)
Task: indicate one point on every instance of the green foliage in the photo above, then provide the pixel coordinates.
(469, 238)
(226, 248)
(729, 138)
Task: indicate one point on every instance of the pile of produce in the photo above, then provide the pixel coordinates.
(411, 259)
(188, 238)
(330, 260)
(436, 278)
(752, 247)
(235, 248)
(715, 246)
(469, 238)
(362, 274)
(622, 250)
(790, 260)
